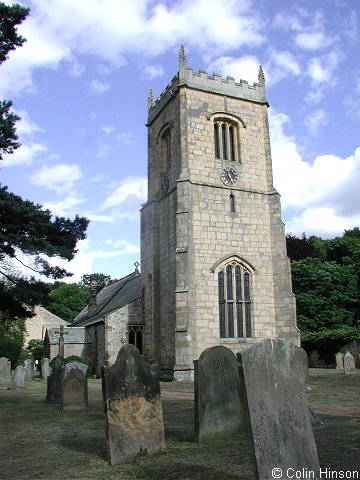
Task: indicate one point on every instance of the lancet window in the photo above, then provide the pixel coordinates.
(225, 139)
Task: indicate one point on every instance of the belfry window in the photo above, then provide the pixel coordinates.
(234, 291)
(135, 335)
(165, 145)
(225, 139)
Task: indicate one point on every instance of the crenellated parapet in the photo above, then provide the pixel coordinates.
(210, 83)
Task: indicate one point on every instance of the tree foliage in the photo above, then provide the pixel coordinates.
(10, 17)
(326, 281)
(29, 236)
(66, 300)
(100, 278)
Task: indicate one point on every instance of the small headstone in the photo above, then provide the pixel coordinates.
(304, 365)
(5, 372)
(19, 377)
(53, 394)
(276, 410)
(218, 408)
(74, 388)
(45, 368)
(339, 361)
(30, 369)
(133, 410)
(315, 420)
(349, 363)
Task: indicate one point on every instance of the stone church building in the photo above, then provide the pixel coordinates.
(214, 268)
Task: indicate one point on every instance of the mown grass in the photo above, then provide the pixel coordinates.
(40, 441)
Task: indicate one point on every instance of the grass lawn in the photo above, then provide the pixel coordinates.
(40, 441)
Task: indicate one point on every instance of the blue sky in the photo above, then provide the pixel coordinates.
(81, 81)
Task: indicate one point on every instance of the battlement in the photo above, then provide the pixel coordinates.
(209, 83)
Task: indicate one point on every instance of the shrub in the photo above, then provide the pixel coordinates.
(75, 358)
(24, 355)
(36, 348)
(10, 348)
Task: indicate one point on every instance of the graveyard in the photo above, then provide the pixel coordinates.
(39, 440)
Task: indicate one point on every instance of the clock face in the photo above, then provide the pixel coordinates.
(229, 176)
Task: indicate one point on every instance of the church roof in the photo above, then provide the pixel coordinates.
(111, 298)
(71, 335)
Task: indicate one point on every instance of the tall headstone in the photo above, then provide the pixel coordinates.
(53, 394)
(5, 372)
(19, 377)
(339, 357)
(74, 388)
(30, 369)
(218, 408)
(133, 410)
(349, 363)
(45, 368)
(276, 410)
(304, 364)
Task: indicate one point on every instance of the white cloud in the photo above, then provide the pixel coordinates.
(126, 198)
(65, 206)
(107, 129)
(322, 69)
(153, 71)
(242, 68)
(313, 40)
(25, 155)
(329, 183)
(61, 177)
(126, 138)
(98, 87)
(281, 64)
(315, 121)
(103, 149)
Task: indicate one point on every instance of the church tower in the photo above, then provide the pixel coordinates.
(213, 252)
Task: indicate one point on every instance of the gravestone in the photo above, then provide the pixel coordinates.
(5, 372)
(74, 388)
(133, 410)
(45, 368)
(53, 394)
(304, 365)
(349, 363)
(276, 410)
(339, 361)
(30, 369)
(19, 377)
(218, 408)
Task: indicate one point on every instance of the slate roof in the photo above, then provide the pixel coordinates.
(111, 298)
(71, 335)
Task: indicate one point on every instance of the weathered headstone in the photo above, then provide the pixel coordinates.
(74, 388)
(276, 410)
(45, 368)
(349, 363)
(304, 365)
(53, 394)
(5, 371)
(218, 408)
(30, 369)
(133, 410)
(19, 377)
(339, 361)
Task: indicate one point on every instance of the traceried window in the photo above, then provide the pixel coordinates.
(234, 290)
(135, 335)
(226, 140)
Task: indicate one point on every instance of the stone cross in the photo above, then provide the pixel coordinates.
(61, 341)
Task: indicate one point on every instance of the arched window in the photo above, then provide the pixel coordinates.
(234, 291)
(226, 139)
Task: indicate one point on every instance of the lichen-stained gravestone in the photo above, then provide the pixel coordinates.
(30, 369)
(349, 363)
(5, 372)
(74, 387)
(218, 407)
(276, 410)
(133, 410)
(54, 380)
(339, 357)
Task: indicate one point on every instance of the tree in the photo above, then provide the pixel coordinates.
(100, 278)
(299, 248)
(326, 294)
(10, 17)
(29, 236)
(66, 300)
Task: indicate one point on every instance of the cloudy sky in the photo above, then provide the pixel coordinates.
(81, 81)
